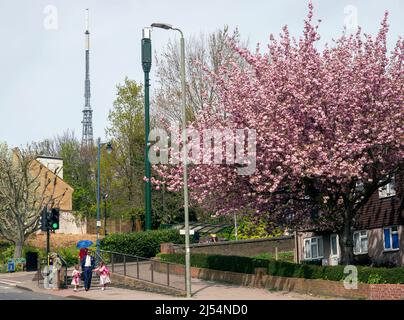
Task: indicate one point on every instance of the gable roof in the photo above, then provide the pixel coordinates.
(62, 191)
(383, 212)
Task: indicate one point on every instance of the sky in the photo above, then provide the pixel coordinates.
(42, 62)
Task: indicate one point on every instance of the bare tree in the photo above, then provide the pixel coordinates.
(54, 147)
(203, 53)
(26, 187)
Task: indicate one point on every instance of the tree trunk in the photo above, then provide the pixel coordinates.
(18, 249)
(346, 239)
(19, 244)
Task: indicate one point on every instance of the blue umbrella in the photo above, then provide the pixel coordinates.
(84, 244)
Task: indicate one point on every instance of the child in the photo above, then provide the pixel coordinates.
(104, 275)
(76, 277)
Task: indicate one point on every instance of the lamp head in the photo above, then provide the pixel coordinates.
(109, 148)
(165, 26)
(146, 33)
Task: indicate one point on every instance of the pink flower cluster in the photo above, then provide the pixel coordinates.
(323, 120)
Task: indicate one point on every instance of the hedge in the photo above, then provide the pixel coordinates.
(218, 262)
(143, 244)
(287, 269)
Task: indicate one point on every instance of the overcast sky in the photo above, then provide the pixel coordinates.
(42, 48)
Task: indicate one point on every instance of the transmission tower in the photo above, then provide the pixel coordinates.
(87, 138)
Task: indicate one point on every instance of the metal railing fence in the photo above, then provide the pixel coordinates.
(150, 270)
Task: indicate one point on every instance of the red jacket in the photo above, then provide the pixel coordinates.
(83, 253)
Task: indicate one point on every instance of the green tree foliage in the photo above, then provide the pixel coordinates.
(143, 244)
(123, 170)
(255, 227)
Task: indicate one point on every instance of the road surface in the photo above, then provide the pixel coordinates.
(9, 291)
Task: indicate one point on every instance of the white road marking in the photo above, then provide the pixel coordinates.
(3, 287)
(9, 282)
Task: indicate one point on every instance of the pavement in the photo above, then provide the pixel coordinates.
(22, 282)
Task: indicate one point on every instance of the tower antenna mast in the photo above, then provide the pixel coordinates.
(87, 137)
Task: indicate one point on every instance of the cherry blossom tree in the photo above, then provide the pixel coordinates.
(329, 130)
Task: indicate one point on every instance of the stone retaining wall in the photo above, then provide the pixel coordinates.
(138, 284)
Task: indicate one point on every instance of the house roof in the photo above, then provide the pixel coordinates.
(381, 213)
(62, 187)
(48, 157)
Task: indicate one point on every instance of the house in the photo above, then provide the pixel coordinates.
(379, 232)
(52, 168)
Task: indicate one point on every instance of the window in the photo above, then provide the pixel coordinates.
(334, 245)
(388, 190)
(313, 248)
(391, 241)
(360, 239)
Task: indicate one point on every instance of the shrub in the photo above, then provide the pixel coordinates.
(282, 256)
(287, 269)
(70, 255)
(218, 262)
(4, 244)
(6, 253)
(375, 279)
(143, 244)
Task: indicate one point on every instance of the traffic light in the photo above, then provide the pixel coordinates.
(54, 219)
(44, 220)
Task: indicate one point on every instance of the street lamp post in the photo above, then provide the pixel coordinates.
(185, 156)
(109, 150)
(146, 65)
(105, 213)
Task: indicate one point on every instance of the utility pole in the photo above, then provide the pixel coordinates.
(185, 160)
(146, 65)
(45, 226)
(47, 243)
(105, 214)
(185, 155)
(98, 225)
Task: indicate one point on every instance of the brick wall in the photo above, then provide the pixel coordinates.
(386, 292)
(306, 286)
(246, 248)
